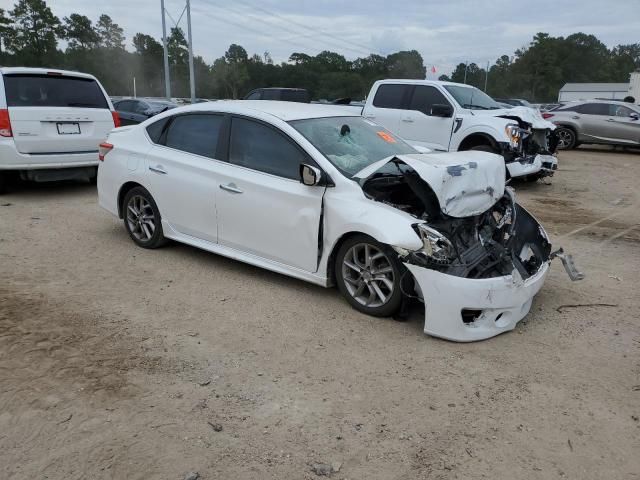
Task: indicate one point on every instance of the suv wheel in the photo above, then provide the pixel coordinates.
(566, 138)
(142, 219)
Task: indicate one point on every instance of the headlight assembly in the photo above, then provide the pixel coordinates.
(514, 134)
(435, 245)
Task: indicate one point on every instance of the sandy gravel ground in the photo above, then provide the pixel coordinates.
(122, 363)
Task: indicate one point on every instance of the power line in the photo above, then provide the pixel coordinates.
(280, 27)
(262, 33)
(306, 27)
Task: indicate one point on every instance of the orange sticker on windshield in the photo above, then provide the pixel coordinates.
(386, 137)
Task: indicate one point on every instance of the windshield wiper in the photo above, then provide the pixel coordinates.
(471, 106)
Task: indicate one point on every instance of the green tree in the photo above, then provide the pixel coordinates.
(149, 65)
(407, 64)
(109, 33)
(5, 28)
(79, 31)
(34, 36)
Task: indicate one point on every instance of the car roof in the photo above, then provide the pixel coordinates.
(422, 82)
(43, 71)
(286, 111)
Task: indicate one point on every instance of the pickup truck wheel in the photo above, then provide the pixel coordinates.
(142, 219)
(566, 138)
(368, 274)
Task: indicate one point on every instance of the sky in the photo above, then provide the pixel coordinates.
(445, 32)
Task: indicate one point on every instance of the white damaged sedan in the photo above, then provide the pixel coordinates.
(313, 192)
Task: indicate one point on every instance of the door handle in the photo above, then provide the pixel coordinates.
(158, 169)
(609, 120)
(231, 187)
(407, 119)
(576, 117)
(369, 116)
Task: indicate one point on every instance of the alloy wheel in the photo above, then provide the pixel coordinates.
(368, 275)
(140, 218)
(565, 138)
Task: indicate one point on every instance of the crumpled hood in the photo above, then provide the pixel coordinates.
(526, 114)
(465, 183)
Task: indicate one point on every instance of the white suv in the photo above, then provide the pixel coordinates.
(51, 123)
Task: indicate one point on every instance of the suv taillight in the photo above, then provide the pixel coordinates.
(546, 115)
(116, 118)
(5, 124)
(104, 149)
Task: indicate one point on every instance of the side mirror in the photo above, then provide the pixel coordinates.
(634, 116)
(441, 110)
(309, 175)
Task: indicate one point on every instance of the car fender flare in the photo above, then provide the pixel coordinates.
(493, 135)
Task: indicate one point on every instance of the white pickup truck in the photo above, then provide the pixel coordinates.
(446, 116)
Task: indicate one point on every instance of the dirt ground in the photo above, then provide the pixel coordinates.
(118, 362)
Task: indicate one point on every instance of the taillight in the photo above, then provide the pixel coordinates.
(5, 124)
(546, 115)
(116, 118)
(104, 149)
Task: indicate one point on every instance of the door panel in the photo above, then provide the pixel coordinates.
(183, 174)
(269, 216)
(621, 126)
(262, 207)
(184, 187)
(418, 125)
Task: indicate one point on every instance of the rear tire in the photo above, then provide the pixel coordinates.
(566, 138)
(142, 219)
(368, 274)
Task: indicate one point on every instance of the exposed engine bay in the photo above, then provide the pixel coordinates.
(486, 245)
(528, 142)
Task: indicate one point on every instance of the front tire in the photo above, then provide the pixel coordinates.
(566, 138)
(368, 274)
(142, 219)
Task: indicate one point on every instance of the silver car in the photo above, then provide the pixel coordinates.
(596, 121)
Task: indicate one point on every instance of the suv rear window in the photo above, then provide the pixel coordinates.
(27, 90)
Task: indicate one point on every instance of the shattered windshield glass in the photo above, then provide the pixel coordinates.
(351, 143)
(471, 97)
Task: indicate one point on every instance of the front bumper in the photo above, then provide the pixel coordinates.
(502, 302)
(543, 165)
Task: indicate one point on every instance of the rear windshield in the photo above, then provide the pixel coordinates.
(53, 91)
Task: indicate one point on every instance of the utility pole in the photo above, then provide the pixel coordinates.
(486, 77)
(192, 80)
(465, 72)
(167, 80)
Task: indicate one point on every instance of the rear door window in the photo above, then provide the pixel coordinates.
(28, 90)
(260, 147)
(594, 109)
(156, 128)
(424, 97)
(391, 96)
(195, 133)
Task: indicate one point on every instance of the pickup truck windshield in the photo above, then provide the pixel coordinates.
(351, 143)
(472, 98)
